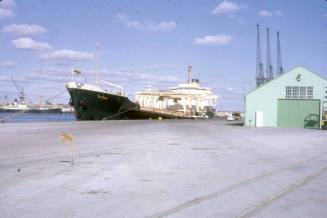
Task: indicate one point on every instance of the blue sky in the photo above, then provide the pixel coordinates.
(149, 41)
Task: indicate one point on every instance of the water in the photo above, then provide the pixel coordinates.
(35, 117)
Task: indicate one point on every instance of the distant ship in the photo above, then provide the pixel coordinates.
(186, 101)
(22, 107)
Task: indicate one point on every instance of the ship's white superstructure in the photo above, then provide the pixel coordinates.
(189, 98)
(15, 106)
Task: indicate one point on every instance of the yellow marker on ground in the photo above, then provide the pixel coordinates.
(68, 138)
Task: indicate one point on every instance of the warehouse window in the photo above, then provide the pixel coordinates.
(299, 92)
(309, 92)
(303, 92)
(288, 92)
(295, 92)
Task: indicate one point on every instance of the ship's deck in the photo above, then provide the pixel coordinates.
(176, 114)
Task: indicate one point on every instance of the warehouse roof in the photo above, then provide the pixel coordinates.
(289, 71)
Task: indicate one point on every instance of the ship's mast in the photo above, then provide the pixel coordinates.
(97, 63)
(190, 74)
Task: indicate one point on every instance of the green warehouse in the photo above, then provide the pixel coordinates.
(295, 99)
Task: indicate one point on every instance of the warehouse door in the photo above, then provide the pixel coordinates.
(296, 113)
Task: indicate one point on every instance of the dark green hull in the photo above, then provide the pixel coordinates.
(93, 105)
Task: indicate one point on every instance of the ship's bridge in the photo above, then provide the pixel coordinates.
(189, 98)
(194, 87)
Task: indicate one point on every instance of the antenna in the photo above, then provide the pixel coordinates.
(148, 85)
(269, 68)
(97, 63)
(189, 73)
(259, 66)
(280, 69)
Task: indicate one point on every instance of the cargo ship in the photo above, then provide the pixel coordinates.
(22, 107)
(186, 101)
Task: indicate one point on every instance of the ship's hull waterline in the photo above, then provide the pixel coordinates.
(94, 105)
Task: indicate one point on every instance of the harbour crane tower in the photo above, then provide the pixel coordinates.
(260, 78)
(280, 69)
(269, 67)
(20, 91)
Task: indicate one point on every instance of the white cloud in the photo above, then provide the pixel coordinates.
(266, 13)
(156, 67)
(226, 7)
(239, 20)
(24, 29)
(7, 3)
(7, 64)
(124, 19)
(53, 71)
(219, 39)
(5, 8)
(165, 26)
(4, 12)
(278, 13)
(135, 76)
(162, 27)
(64, 56)
(30, 44)
(128, 68)
(167, 78)
(146, 68)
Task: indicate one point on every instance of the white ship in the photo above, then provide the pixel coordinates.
(15, 107)
(190, 99)
(20, 106)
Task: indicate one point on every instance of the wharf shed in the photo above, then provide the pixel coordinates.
(295, 99)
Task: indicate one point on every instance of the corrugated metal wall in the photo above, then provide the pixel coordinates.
(298, 113)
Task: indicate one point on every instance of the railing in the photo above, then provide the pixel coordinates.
(115, 86)
(166, 112)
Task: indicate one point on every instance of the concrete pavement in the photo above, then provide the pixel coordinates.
(168, 168)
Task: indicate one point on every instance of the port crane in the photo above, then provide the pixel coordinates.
(260, 77)
(20, 90)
